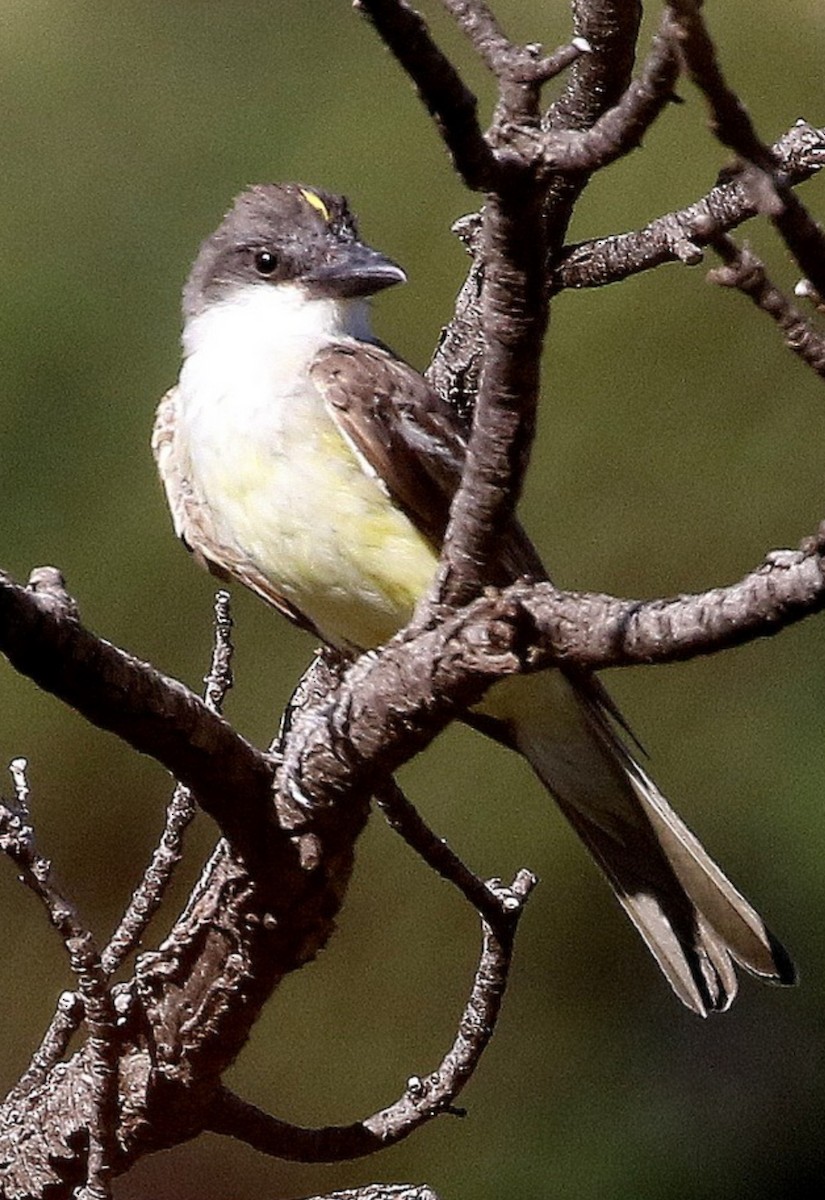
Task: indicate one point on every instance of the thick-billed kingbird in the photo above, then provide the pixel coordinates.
(304, 459)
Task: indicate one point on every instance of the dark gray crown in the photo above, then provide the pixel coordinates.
(302, 228)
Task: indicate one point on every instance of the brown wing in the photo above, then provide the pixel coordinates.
(414, 441)
(193, 521)
(409, 438)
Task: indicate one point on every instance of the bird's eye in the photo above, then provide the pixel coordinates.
(265, 262)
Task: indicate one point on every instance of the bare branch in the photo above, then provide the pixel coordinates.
(677, 236)
(17, 841)
(734, 128)
(596, 83)
(404, 818)
(744, 271)
(189, 1008)
(494, 48)
(148, 895)
(43, 638)
(150, 891)
(806, 291)
(521, 64)
(621, 128)
(598, 79)
(391, 704)
(787, 587)
(444, 94)
(514, 316)
(52, 1048)
(731, 122)
(383, 1191)
(219, 680)
(425, 1097)
(187, 1012)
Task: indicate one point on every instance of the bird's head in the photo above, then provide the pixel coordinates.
(287, 233)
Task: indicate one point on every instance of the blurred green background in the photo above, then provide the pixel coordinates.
(678, 442)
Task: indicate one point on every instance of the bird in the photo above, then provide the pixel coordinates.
(304, 459)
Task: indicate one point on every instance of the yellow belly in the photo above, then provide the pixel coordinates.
(324, 532)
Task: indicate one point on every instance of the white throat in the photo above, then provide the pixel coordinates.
(274, 318)
(246, 358)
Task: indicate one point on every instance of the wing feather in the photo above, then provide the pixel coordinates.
(410, 438)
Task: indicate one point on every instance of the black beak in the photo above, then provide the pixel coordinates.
(353, 269)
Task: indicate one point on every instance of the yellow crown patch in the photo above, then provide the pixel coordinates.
(316, 202)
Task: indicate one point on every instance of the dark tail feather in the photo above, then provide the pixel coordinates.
(692, 918)
(691, 956)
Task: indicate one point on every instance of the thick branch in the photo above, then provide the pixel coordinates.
(42, 638)
(596, 83)
(391, 704)
(189, 1009)
(514, 316)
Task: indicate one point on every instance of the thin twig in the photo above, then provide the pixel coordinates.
(732, 124)
(476, 20)
(607, 32)
(69, 1012)
(488, 898)
(149, 893)
(219, 679)
(424, 1098)
(53, 1046)
(17, 841)
(803, 236)
(513, 305)
(558, 60)
(43, 638)
(745, 272)
(514, 317)
(523, 64)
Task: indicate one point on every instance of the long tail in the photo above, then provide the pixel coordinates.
(691, 916)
